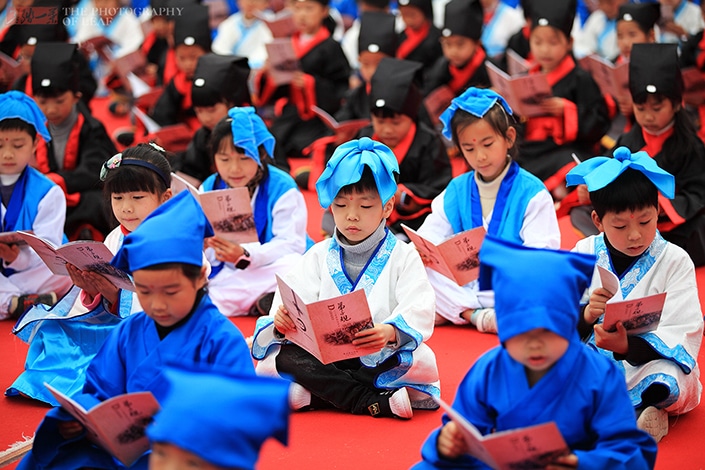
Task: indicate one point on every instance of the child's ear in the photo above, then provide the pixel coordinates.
(166, 196)
(202, 278)
(511, 136)
(596, 220)
(389, 206)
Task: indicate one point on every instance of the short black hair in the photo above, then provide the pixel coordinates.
(366, 183)
(630, 191)
(17, 124)
(129, 178)
(53, 92)
(496, 117)
(191, 271)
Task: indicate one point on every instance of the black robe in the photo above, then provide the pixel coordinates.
(439, 74)
(428, 51)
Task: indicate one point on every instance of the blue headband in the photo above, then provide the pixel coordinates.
(17, 105)
(598, 172)
(346, 165)
(249, 132)
(476, 101)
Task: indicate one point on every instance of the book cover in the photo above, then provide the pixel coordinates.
(12, 238)
(283, 62)
(613, 80)
(693, 86)
(345, 130)
(437, 101)
(516, 64)
(326, 328)
(524, 93)
(281, 23)
(230, 213)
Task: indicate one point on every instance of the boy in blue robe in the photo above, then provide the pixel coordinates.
(179, 323)
(542, 372)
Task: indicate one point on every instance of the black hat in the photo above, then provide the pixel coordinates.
(653, 68)
(191, 27)
(396, 86)
(322, 2)
(55, 65)
(559, 14)
(645, 14)
(377, 33)
(463, 18)
(221, 77)
(424, 5)
(33, 34)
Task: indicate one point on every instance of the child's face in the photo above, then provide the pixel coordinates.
(357, 215)
(610, 7)
(413, 17)
(484, 149)
(391, 130)
(248, 8)
(170, 457)
(537, 350)
(308, 16)
(162, 27)
(458, 49)
(59, 108)
(549, 46)
(368, 64)
(186, 58)
(628, 34)
(670, 3)
(209, 116)
(654, 114)
(235, 168)
(131, 208)
(167, 295)
(16, 151)
(629, 232)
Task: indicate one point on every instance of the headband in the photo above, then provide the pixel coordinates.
(476, 101)
(117, 161)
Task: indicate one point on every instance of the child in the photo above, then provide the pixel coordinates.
(463, 61)
(205, 440)
(243, 34)
(63, 340)
(664, 130)
(156, 43)
(598, 34)
(575, 117)
(351, 37)
(541, 372)
(30, 201)
(242, 281)
(508, 201)
(400, 369)
(519, 41)
(395, 103)
(179, 323)
(681, 18)
(219, 83)
(692, 56)
(635, 25)
(501, 22)
(420, 40)
(660, 366)
(79, 144)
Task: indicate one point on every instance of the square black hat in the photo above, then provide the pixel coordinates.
(395, 86)
(654, 68)
(55, 65)
(191, 27)
(33, 34)
(645, 14)
(377, 33)
(325, 3)
(559, 14)
(221, 77)
(426, 6)
(463, 18)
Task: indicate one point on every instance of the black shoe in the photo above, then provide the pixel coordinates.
(262, 305)
(392, 404)
(18, 305)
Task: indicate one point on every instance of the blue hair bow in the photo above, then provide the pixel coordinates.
(476, 101)
(244, 134)
(17, 105)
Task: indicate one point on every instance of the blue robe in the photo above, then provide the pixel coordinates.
(131, 360)
(583, 393)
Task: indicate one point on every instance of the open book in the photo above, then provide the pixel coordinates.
(281, 23)
(524, 93)
(612, 79)
(117, 424)
(516, 64)
(455, 258)
(437, 101)
(693, 86)
(228, 210)
(637, 315)
(283, 62)
(10, 69)
(174, 138)
(531, 447)
(327, 328)
(86, 255)
(345, 130)
(12, 238)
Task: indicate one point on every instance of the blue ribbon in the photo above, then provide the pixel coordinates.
(476, 101)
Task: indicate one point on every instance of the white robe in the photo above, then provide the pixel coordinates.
(236, 38)
(125, 31)
(688, 16)
(598, 36)
(506, 21)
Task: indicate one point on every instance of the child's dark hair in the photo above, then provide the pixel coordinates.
(53, 92)
(16, 124)
(379, 4)
(367, 183)
(496, 117)
(630, 191)
(129, 178)
(192, 272)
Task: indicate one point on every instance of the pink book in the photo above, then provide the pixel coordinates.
(524, 93)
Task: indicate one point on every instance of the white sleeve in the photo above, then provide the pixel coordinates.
(127, 35)
(540, 228)
(227, 36)
(585, 42)
(436, 227)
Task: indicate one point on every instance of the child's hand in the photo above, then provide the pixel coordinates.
(671, 26)
(9, 253)
(625, 105)
(70, 429)
(615, 341)
(552, 106)
(565, 461)
(596, 307)
(79, 280)
(375, 338)
(282, 321)
(225, 250)
(583, 194)
(298, 79)
(451, 443)
(106, 288)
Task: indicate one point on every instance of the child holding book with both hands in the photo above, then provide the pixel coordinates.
(541, 372)
(399, 370)
(660, 366)
(508, 201)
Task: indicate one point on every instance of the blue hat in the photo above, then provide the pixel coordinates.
(249, 132)
(346, 165)
(534, 288)
(476, 101)
(17, 105)
(221, 417)
(172, 233)
(598, 172)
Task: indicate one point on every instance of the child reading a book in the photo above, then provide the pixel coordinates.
(181, 438)
(420, 40)
(179, 323)
(242, 281)
(541, 372)
(63, 340)
(680, 19)
(30, 202)
(660, 366)
(244, 34)
(508, 201)
(399, 369)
